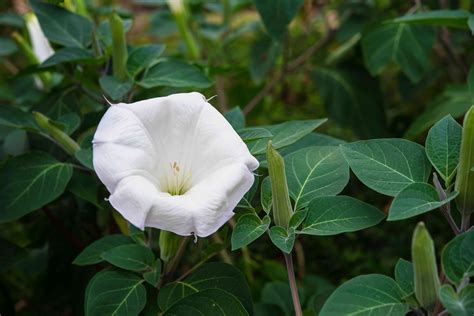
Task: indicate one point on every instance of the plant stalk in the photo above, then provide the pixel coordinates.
(292, 281)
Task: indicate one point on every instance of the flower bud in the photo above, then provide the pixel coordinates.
(179, 10)
(169, 244)
(465, 174)
(119, 51)
(425, 268)
(56, 134)
(281, 204)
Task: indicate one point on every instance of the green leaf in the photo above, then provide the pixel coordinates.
(115, 88)
(461, 304)
(211, 302)
(152, 277)
(263, 54)
(68, 55)
(69, 122)
(404, 276)
(454, 100)
(248, 228)
(11, 19)
(450, 18)
(332, 215)
(16, 118)
(315, 171)
(7, 46)
(84, 156)
(443, 145)
(470, 23)
(112, 292)
(15, 143)
(279, 293)
(283, 238)
(387, 165)
(312, 139)
(216, 275)
(143, 57)
(266, 195)
(409, 46)
(352, 99)
(175, 73)
(254, 133)
(29, 182)
(277, 14)
(132, 257)
(284, 134)
(85, 187)
(297, 218)
(458, 257)
(416, 199)
(236, 118)
(92, 254)
(371, 294)
(61, 26)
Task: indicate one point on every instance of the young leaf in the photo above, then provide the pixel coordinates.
(332, 215)
(461, 304)
(416, 199)
(62, 26)
(315, 171)
(443, 145)
(175, 73)
(409, 46)
(131, 257)
(277, 14)
(387, 165)
(248, 228)
(92, 254)
(210, 302)
(30, 182)
(283, 238)
(457, 257)
(266, 195)
(254, 133)
(112, 292)
(221, 276)
(371, 294)
(404, 276)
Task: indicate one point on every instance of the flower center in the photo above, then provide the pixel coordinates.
(178, 183)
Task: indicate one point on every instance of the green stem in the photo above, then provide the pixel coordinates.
(119, 51)
(293, 286)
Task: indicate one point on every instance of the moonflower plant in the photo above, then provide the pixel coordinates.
(172, 163)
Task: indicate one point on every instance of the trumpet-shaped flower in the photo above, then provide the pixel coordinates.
(39, 42)
(173, 163)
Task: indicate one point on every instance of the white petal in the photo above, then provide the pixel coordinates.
(39, 42)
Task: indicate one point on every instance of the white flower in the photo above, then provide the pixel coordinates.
(173, 163)
(39, 42)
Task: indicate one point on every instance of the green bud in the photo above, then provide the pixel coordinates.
(465, 174)
(180, 13)
(169, 244)
(119, 51)
(281, 204)
(56, 134)
(425, 268)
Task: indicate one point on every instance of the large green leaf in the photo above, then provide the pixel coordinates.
(458, 304)
(210, 276)
(143, 57)
(248, 228)
(277, 14)
(373, 294)
(62, 26)
(16, 118)
(315, 171)
(404, 276)
(332, 215)
(92, 254)
(415, 199)
(409, 46)
(352, 99)
(249, 134)
(112, 292)
(175, 73)
(450, 18)
(443, 145)
(131, 257)
(283, 238)
(454, 100)
(210, 302)
(29, 182)
(458, 257)
(69, 55)
(387, 165)
(284, 134)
